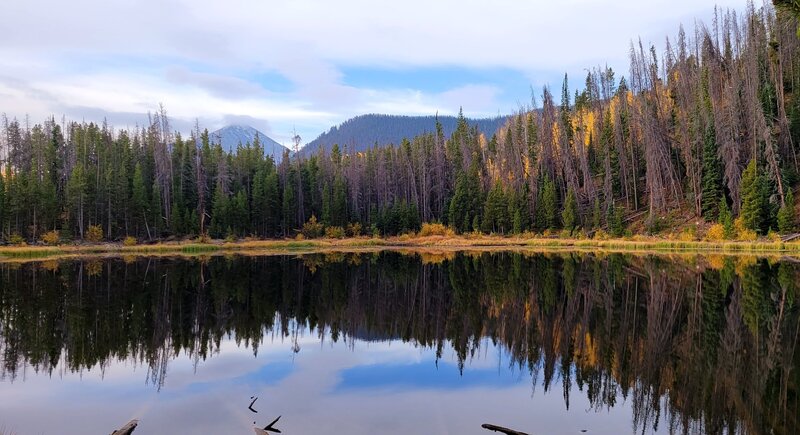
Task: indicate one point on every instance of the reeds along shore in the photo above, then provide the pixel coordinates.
(405, 241)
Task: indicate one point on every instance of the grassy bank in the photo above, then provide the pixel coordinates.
(406, 242)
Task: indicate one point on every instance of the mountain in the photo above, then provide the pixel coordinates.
(231, 136)
(364, 131)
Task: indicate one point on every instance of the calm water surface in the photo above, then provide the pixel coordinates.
(401, 343)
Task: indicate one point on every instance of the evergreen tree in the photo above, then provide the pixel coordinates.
(465, 204)
(139, 197)
(289, 205)
(219, 213)
(725, 218)
(3, 205)
(548, 204)
(787, 221)
(338, 212)
(495, 211)
(614, 218)
(76, 194)
(712, 176)
(753, 201)
(273, 204)
(155, 209)
(597, 214)
(240, 215)
(569, 215)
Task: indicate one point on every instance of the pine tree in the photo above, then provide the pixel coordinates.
(495, 211)
(155, 209)
(712, 175)
(3, 205)
(289, 206)
(725, 218)
(548, 204)
(465, 204)
(139, 197)
(240, 215)
(76, 194)
(614, 219)
(787, 221)
(597, 214)
(753, 201)
(338, 212)
(219, 213)
(569, 215)
(273, 204)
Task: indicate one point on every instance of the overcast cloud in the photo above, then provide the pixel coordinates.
(281, 65)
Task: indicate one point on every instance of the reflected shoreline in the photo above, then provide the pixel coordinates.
(697, 343)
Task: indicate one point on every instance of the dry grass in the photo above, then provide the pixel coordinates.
(447, 242)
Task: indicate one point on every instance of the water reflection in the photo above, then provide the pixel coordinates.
(700, 344)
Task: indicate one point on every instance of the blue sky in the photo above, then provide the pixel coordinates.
(281, 65)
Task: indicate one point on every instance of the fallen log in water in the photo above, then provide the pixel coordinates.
(502, 429)
(127, 429)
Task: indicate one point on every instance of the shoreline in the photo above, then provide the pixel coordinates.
(401, 243)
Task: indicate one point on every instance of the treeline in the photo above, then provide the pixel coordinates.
(709, 129)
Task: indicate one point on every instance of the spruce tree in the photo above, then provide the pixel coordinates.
(787, 221)
(3, 206)
(139, 197)
(273, 204)
(597, 214)
(219, 213)
(712, 176)
(339, 216)
(569, 215)
(495, 211)
(155, 209)
(548, 204)
(725, 218)
(753, 201)
(614, 220)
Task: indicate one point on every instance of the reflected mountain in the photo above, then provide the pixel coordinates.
(695, 344)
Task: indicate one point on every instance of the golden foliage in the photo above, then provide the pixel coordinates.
(435, 229)
(51, 238)
(94, 234)
(715, 233)
(334, 233)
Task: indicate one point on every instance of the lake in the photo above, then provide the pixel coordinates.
(401, 343)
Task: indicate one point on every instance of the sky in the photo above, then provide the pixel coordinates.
(298, 65)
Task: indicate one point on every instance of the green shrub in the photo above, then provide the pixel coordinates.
(16, 239)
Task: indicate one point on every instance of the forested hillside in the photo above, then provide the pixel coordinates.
(362, 132)
(707, 127)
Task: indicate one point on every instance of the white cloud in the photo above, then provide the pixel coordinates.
(199, 57)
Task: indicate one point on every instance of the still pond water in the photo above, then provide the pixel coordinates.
(401, 343)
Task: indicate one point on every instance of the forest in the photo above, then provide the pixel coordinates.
(705, 129)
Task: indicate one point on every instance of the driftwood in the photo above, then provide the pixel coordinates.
(502, 429)
(790, 237)
(127, 429)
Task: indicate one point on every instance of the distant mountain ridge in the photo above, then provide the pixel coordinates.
(364, 131)
(232, 135)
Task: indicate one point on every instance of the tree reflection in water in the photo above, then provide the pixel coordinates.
(699, 344)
